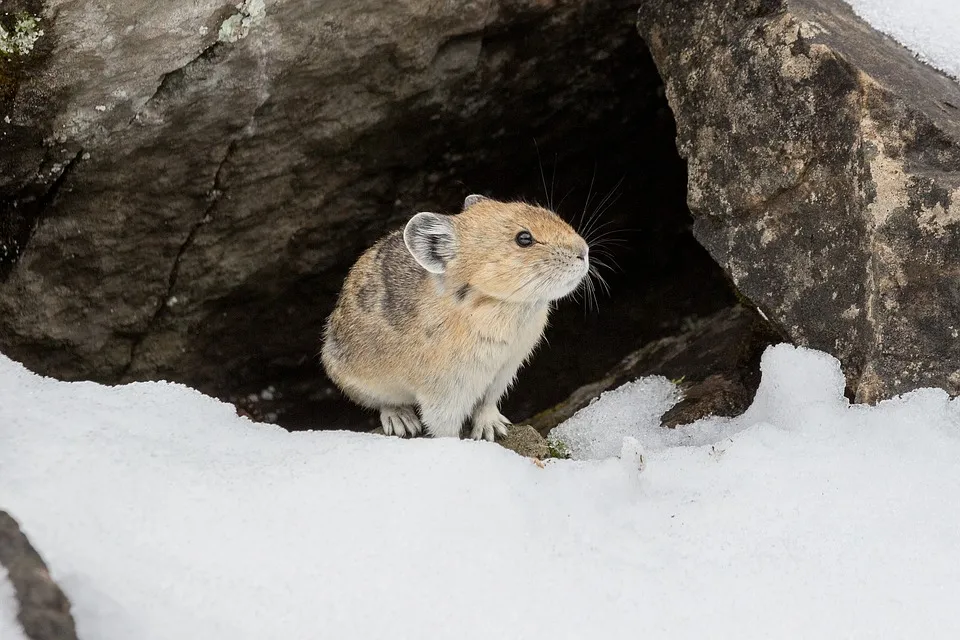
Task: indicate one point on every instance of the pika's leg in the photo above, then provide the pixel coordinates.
(444, 417)
(400, 421)
(488, 422)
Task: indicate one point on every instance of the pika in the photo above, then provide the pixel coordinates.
(440, 315)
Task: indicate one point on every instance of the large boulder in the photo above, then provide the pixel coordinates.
(183, 185)
(824, 176)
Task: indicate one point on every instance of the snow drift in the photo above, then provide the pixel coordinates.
(163, 515)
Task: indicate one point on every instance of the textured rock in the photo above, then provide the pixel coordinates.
(717, 395)
(184, 184)
(44, 609)
(715, 361)
(525, 441)
(824, 176)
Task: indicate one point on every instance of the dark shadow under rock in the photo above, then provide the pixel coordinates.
(716, 362)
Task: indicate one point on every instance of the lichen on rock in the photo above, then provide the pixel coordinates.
(20, 40)
(237, 26)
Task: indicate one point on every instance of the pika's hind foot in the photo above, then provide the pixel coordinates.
(488, 423)
(400, 421)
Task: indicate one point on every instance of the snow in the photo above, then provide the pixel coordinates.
(927, 28)
(164, 515)
(631, 410)
(10, 629)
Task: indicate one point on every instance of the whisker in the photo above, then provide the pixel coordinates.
(587, 201)
(610, 233)
(560, 204)
(593, 292)
(603, 205)
(587, 300)
(618, 242)
(615, 266)
(601, 280)
(604, 265)
(553, 177)
(543, 178)
(591, 233)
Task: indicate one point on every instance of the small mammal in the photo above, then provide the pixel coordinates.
(441, 314)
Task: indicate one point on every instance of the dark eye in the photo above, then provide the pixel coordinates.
(524, 239)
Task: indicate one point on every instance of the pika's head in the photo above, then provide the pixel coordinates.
(510, 251)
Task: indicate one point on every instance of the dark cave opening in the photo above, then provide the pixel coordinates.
(615, 149)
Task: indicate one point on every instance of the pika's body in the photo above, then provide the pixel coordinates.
(441, 314)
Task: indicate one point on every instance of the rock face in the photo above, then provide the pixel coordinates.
(44, 609)
(185, 184)
(824, 176)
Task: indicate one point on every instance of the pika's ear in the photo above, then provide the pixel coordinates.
(430, 240)
(472, 199)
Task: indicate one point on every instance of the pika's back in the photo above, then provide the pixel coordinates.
(379, 303)
(385, 282)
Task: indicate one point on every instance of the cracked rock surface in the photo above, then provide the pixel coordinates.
(824, 177)
(185, 184)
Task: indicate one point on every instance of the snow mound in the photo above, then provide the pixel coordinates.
(165, 516)
(800, 388)
(631, 410)
(928, 29)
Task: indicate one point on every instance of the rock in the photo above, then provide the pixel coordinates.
(525, 441)
(824, 177)
(717, 395)
(183, 186)
(716, 362)
(44, 609)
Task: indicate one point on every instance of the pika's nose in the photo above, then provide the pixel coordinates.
(583, 252)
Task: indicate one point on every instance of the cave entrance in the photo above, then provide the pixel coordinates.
(610, 146)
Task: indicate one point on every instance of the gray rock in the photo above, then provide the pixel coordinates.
(185, 184)
(44, 609)
(524, 440)
(824, 176)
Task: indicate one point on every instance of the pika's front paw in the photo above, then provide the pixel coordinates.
(488, 424)
(400, 421)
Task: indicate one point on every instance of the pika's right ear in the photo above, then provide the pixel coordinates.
(430, 240)
(472, 199)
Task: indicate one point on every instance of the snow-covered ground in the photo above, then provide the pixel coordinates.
(165, 516)
(928, 28)
(9, 627)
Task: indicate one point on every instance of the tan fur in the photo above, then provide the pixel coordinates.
(450, 343)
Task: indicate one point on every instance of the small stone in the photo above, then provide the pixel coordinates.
(524, 440)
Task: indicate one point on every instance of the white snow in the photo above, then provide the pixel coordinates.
(163, 515)
(10, 629)
(632, 410)
(928, 28)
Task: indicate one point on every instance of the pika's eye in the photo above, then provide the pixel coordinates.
(524, 239)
